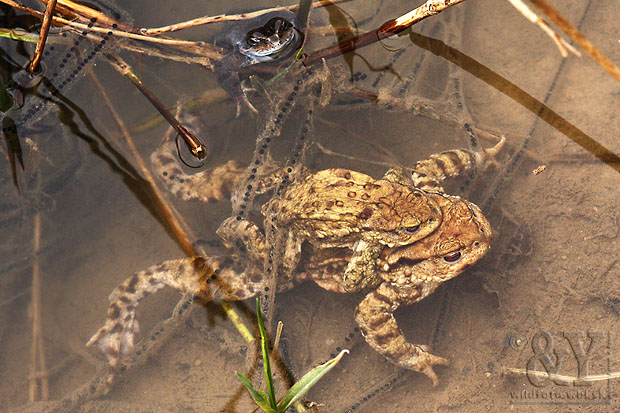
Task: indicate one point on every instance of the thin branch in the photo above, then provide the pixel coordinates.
(45, 28)
(571, 31)
(174, 219)
(390, 28)
(90, 13)
(276, 341)
(170, 218)
(570, 379)
(196, 147)
(198, 47)
(227, 18)
(562, 44)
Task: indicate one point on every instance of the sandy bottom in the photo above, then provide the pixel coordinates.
(545, 298)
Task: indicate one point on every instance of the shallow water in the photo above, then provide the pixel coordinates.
(552, 267)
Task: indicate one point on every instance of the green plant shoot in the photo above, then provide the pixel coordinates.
(299, 389)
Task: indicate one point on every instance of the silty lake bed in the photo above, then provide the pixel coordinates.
(543, 299)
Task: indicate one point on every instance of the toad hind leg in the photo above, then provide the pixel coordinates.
(430, 173)
(116, 337)
(375, 316)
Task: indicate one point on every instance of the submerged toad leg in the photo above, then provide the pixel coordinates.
(244, 237)
(375, 316)
(210, 185)
(227, 76)
(231, 282)
(430, 173)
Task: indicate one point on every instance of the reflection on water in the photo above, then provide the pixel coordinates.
(461, 82)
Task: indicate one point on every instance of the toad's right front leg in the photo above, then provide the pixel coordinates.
(375, 316)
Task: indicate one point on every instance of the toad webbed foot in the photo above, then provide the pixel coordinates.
(118, 335)
(375, 316)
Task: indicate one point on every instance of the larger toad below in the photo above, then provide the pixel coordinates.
(406, 273)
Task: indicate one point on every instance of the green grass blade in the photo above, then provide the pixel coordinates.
(16, 34)
(306, 382)
(259, 397)
(266, 363)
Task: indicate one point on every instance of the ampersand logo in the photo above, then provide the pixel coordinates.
(546, 355)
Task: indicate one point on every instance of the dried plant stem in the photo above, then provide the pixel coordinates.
(175, 220)
(90, 13)
(276, 341)
(571, 31)
(562, 44)
(570, 379)
(38, 364)
(227, 18)
(73, 11)
(390, 158)
(65, 11)
(187, 246)
(430, 8)
(45, 28)
(201, 48)
(196, 147)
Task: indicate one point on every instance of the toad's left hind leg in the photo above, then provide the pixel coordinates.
(187, 275)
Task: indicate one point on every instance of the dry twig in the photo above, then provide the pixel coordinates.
(90, 13)
(38, 364)
(390, 28)
(569, 379)
(227, 18)
(562, 44)
(197, 47)
(45, 28)
(572, 32)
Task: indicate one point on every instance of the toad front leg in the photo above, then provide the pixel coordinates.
(375, 316)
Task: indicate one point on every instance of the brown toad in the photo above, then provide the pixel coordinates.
(330, 208)
(341, 208)
(406, 272)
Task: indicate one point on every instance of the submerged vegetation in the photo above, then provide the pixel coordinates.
(267, 402)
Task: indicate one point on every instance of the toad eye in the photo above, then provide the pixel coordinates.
(412, 230)
(453, 257)
(255, 37)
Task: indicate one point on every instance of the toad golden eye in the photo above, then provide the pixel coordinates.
(411, 230)
(452, 257)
